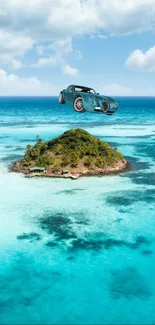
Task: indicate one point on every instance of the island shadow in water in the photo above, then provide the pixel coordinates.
(137, 165)
(142, 178)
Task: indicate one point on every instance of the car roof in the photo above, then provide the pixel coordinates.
(80, 86)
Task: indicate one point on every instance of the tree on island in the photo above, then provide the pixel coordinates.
(75, 149)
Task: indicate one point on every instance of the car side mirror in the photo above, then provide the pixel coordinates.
(98, 93)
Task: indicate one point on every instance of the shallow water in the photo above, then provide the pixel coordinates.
(81, 251)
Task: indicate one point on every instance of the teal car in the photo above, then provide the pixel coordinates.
(86, 99)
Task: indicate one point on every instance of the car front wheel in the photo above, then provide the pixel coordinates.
(61, 99)
(78, 105)
(105, 107)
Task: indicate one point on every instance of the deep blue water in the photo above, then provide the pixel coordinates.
(77, 252)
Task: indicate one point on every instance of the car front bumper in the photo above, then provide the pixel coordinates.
(110, 111)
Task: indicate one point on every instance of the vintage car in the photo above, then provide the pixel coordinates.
(86, 99)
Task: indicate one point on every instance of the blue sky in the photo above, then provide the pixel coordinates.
(45, 45)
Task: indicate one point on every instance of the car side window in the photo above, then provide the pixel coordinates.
(70, 89)
(78, 89)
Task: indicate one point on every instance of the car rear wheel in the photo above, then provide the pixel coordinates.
(78, 105)
(61, 99)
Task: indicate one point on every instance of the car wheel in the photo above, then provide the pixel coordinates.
(78, 105)
(61, 99)
(105, 107)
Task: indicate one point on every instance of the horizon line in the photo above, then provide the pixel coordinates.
(44, 96)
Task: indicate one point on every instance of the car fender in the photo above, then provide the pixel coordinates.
(87, 102)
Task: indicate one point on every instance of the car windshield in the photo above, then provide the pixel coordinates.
(84, 90)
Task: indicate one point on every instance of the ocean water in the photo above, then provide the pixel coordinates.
(83, 251)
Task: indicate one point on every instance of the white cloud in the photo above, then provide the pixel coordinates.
(126, 17)
(16, 64)
(142, 60)
(59, 20)
(115, 89)
(50, 61)
(59, 49)
(57, 60)
(62, 45)
(102, 36)
(40, 50)
(54, 19)
(78, 54)
(12, 46)
(69, 71)
(50, 25)
(11, 84)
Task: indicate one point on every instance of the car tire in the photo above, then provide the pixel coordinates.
(78, 105)
(105, 107)
(61, 99)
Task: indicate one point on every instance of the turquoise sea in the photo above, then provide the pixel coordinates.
(83, 251)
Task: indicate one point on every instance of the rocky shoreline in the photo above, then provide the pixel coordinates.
(121, 166)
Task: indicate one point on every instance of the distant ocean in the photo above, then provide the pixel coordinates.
(77, 252)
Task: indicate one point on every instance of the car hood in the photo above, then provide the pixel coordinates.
(102, 97)
(97, 99)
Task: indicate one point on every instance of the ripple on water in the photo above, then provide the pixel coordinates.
(147, 252)
(128, 283)
(130, 197)
(81, 235)
(31, 236)
(145, 149)
(70, 191)
(28, 282)
(12, 157)
(107, 243)
(59, 225)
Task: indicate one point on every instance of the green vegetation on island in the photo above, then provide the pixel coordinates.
(75, 150)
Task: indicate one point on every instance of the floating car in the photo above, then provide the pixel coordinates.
(86, 99)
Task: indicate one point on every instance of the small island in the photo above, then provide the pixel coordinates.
(73, 154)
